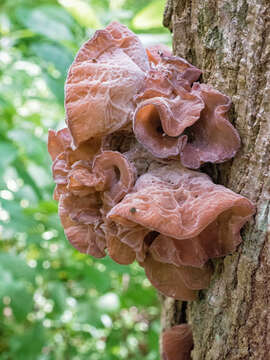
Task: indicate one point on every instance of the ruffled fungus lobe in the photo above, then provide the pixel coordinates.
(212, 138)
(117, 172)
(156, 52)
(178, 282)
(173, 220)
(177, 343)
(107, 72)
(175, 201)
(80, 218)
(197, 220)
(159, 121)
(174, 118)
(178, 70)
(66, 159)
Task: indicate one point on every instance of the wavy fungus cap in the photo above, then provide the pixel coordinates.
(212, 138)
(182, 204)
(178, 282)
(159, 121)
(106, 74)
(177, 343)
(173, 219)
(183, 73)
(66, 159)
(155, 52)
(119, 175)
(58, 142)
(80, 217)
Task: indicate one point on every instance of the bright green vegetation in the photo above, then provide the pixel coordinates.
(56, 303)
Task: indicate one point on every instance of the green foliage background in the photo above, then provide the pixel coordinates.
(56, 303)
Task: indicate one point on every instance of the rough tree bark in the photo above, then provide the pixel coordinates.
(230, 41)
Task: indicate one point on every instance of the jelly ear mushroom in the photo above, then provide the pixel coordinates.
(70, 165)
(79, 218)
(174, 201)
(118, 251)
(129, 43)
(178, 282)
(102, 82)
(212, 138)
(118, 174)
(58, 142)
(155, 53)
(177, 343)
(159, 121)
(183, 72)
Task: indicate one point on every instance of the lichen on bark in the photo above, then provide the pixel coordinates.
(230, 42)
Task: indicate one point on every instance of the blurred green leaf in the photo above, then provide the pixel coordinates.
(50, 21)
(16, 266)
(149, 17)
(82, 12)
(53, 53)
(8, 153)
(29, 344)
(56, 86)
(21, 300)
(57, 292)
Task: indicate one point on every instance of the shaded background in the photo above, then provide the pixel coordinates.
(56, 303)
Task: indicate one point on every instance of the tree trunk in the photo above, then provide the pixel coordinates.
(230, 41)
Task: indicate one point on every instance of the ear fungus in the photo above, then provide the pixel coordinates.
(80, 217)
(158, 122)
(118, 174)
(174, 202)
(156, 52)
(212, 138)
(130, 193)
(105, 75)
(177, 343)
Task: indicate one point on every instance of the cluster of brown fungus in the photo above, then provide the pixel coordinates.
(137, 123)
(177, 343)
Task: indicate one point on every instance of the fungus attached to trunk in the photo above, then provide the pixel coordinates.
(67, 160)
(175, 201)
(107, 72)
(80, 218)
(135, 118)
(118, 174)
(196, 219)
(212, 138)
(177, 343)
(158, 122)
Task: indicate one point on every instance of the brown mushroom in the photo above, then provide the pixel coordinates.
(173, 220)
(197, 219)
(117, 172)
(58, 142)
(212, 138)
(177, 343)
(182, 73)
(117, 249)
(181, 203)
(178, 282)
(155, 52)
(102, 81)
(67, 160)
(129, 43)
(159, 121)
(80, 217)
(132, 236)
(168, 279)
